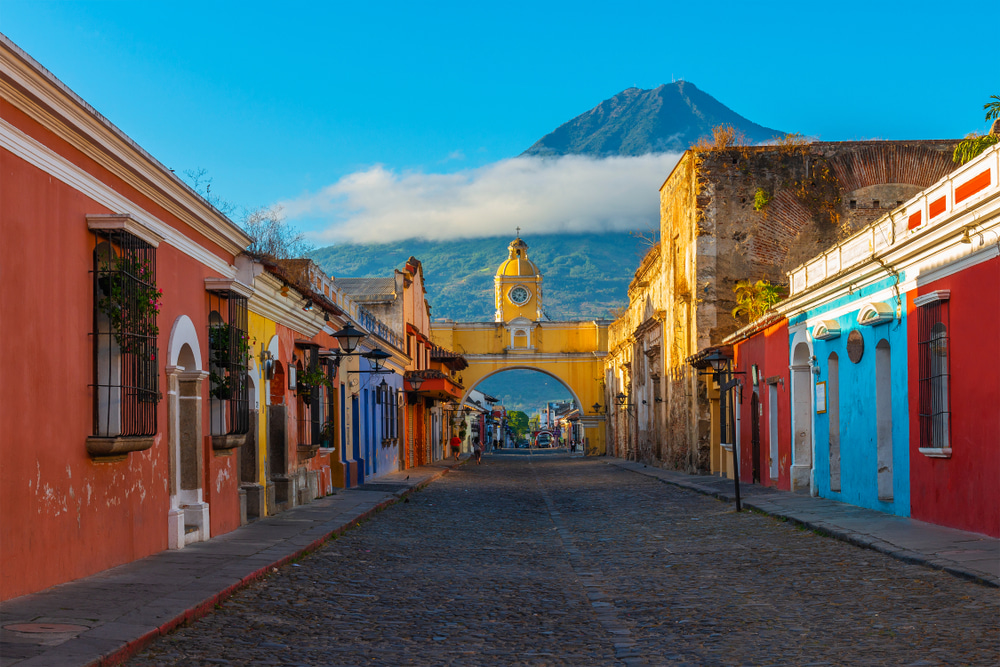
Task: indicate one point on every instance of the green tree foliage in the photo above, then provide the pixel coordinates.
(518, 421)
(753, 299)
(975, 143)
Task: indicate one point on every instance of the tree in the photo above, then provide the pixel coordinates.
(518, 421)
(271, 234)
(974, 144)
(723, 137)
(755, 299)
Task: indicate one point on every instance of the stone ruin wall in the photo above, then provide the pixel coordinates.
(712, 237)
(820, 193)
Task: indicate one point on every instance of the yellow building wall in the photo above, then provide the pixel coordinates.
(261, 330)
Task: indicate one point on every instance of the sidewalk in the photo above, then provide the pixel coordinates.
(107, 617)
(963, 554)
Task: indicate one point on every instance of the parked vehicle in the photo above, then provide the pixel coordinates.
(543, 440)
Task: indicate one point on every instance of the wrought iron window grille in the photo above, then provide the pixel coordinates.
(126, 357)
(229, 356)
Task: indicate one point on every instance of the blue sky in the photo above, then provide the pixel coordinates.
(283, 102)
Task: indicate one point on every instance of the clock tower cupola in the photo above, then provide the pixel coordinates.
(518, 286)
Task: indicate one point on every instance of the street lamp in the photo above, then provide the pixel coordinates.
(719, 361)
(348, 338)
(415, 382)
(377, 357)
(597, 408)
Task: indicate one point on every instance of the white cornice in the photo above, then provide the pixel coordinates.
(45, 99)
(918, 259)
(268, 302)
(33, 152)
(226, 284)
(932, 297)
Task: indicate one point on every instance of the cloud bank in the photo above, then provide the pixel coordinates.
(541, 195)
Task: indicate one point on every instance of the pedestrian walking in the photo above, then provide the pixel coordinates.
(456, 446)
(477, 450)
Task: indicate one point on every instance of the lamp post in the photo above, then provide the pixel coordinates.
(415, 382)
(720, 367)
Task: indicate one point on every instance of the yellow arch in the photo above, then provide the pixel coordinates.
(571, 352)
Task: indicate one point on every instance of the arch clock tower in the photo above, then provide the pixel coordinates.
(518, 286)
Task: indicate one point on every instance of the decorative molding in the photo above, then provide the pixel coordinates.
(28, 149)
(123, 222)
(876, 312)
(932, 297)
(228, 285)
(114, 449)
(826, 330)
(936, 452)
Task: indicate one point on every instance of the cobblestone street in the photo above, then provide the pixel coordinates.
(543, 559)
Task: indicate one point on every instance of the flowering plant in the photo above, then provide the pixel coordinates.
(223, 341)
(130, 299)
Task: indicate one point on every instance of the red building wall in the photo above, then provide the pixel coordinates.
(66, 515)
(962, 491)
(768, 349)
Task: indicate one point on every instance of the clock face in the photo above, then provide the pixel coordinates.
(519, 295)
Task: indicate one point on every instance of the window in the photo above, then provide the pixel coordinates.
(932, 343)
(228, 357)
(126, 303)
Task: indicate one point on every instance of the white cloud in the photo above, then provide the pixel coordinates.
(541, 195)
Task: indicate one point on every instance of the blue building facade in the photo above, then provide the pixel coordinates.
(861, 418)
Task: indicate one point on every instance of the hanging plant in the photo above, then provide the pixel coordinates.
(130, 301)
(309, 379)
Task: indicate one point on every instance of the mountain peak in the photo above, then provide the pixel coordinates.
(668, 118)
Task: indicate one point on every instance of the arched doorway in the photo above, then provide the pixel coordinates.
(188, 517)
(546, 402)
(802, 418)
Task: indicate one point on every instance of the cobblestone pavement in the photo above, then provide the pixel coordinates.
(551, 560)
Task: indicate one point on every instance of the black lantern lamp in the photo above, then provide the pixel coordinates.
(598, 408)
(717, 359)
(622, 398)
(415, 382)
(348, 338)
(377, 358)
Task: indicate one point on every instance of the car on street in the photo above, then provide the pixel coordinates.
(543, 440)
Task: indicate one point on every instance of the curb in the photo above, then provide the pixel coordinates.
(824, 529)
(119, 656)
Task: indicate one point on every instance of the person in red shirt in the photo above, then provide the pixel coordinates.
(456, 445)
